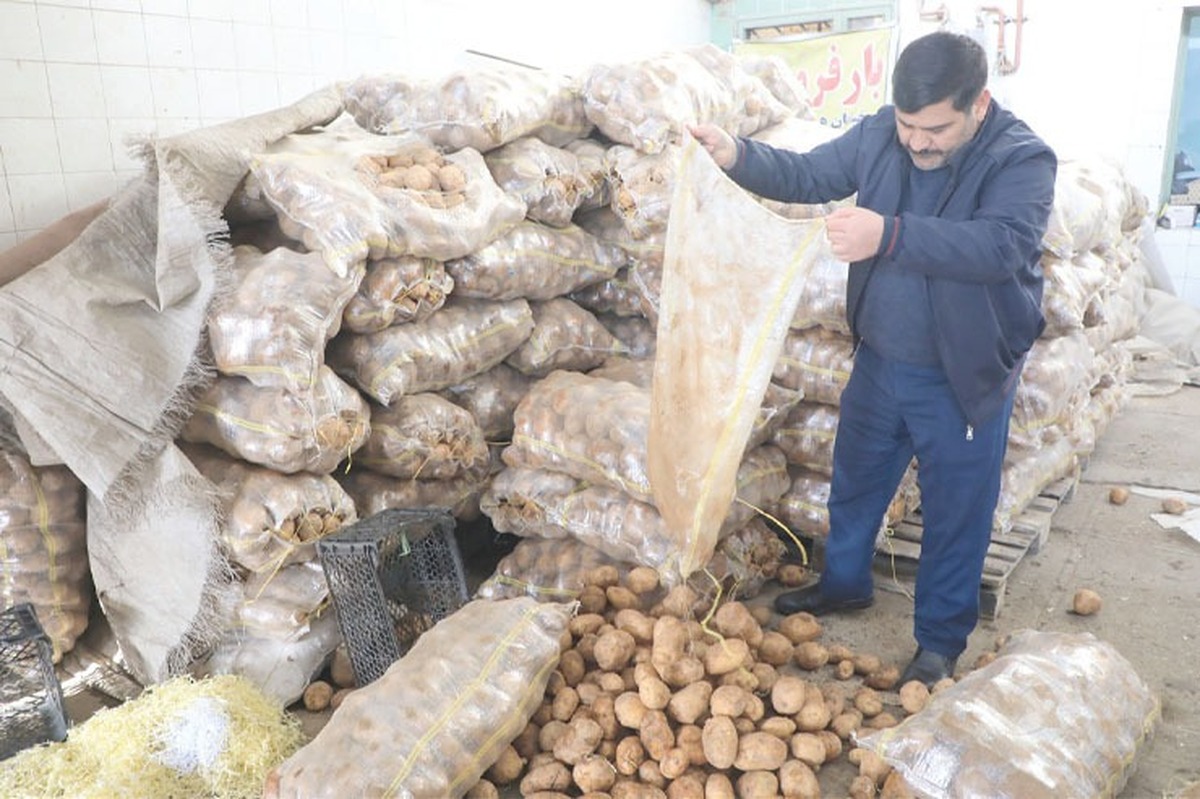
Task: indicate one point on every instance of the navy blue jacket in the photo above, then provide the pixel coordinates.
(979, 254)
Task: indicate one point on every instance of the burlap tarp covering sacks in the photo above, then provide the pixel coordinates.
(732, 277)
(104, 356)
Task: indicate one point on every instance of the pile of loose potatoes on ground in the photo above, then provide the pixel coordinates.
(657, 696)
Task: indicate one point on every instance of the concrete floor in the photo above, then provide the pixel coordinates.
(1148, 576)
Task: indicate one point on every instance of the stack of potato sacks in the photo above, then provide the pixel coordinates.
(394, 298)
(43, 552)
(1075, 376)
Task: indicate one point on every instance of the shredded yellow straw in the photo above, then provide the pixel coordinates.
(231, 733)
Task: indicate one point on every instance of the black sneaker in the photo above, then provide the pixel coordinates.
(810, 600)
(928, 667)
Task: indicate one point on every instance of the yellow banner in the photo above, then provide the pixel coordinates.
(846, 74)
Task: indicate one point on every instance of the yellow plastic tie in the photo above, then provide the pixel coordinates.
(784, 527)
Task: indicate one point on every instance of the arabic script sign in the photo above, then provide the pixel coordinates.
(846, 74)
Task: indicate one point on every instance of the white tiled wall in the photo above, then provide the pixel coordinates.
(79, 76)
(1180, 250)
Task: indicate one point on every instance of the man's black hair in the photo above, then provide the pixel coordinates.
(937, 67)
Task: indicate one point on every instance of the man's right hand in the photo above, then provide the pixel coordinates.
(719, 144)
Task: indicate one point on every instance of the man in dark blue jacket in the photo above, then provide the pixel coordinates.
(944, 300)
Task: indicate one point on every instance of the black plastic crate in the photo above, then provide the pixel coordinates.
(392, 576)
(31, 701)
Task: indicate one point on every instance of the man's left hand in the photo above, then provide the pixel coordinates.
(854, 233)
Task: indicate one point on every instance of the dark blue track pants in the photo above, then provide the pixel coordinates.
(889, 412)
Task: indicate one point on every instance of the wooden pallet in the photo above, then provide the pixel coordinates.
(897, 557)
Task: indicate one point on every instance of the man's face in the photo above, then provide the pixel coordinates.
(932, 134)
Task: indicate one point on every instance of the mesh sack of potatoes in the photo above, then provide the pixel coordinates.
(1070, 286)
(1101, 408)
(1022, 438)
(1055, 714)
(744, 561)
(312, 184)
(351, 196)
(755, 106)
(1125, 207)
(806, 436)
(1026, 473)
(804, 508)
(564, 336)
(397, 290)
(772, 414)
(823, 298)
(635, 289)
(424, 436)
(1115, 314)
(270, 519)
(548, 179)
(641, 187)
(1078, 215)
(816, 362)
(1113, 366)
(780, 79)
(777, 403)
(547, 569)
(481, 109)
(281, 634)
(492, 398)
(628, 369)
(606, 225)
(308, 431)
(536, 262)
(1056, 369)
(440, 716)
(556, 569)
(1128, 207)
(373, 492)
(1079, 426)
(464, 338)
(273, 326)
(590, 154)
(616, 296)
(646, 277)
(647, 103)
(588, 427)
(43, 547)
(547, 504)
(636, 334)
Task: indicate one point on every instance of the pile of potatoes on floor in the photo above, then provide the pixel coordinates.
(657, 696)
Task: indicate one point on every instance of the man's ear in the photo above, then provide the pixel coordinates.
(980, 106)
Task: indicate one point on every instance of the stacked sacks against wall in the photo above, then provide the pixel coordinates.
(267, 433)
(1074, 379)
(393, 299)
(43, 547)
(574, 484)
